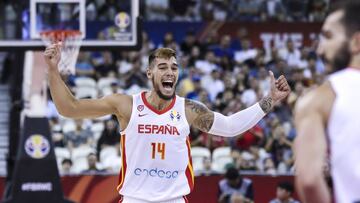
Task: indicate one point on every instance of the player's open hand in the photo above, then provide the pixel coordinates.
(280, 88)
(52, 55)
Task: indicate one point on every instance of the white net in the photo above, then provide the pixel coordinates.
(71, 42)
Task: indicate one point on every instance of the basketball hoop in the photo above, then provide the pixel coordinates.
(71, 42)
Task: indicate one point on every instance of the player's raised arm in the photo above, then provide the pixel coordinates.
(64, 100)
(311, 113)
(215, 123)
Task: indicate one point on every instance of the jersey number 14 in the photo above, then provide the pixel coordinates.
(158, 148)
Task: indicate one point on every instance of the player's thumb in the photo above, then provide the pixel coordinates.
(272, 79)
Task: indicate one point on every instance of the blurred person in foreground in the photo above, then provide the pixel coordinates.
(235, 185)
(284, 192)
(327, 117)
(155, 147)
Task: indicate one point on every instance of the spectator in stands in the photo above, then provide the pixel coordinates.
(183, 10)
(264, 81)
(207, 168)
(296, 10)
(212, 38)
(197, 88)
(280, 67)
(213, 84)
(254, 136)
(78, 136)
(206, 66)
(259, 155)
(189, 42)
(83, 65)
(284, 193)
(106, 67)
(318, 10)
(246, 162)
(57, 134)
(135, 76)
(272, 10)
(92, 168)
(269, 166)
(110, 135)
(290, 54)
(157, 10)
(247, 10)
(168, 40)
(246, 52)
(66, 165)
(234, 184)
(221, 10)
(224, 49)
(278, 145)
(241, 34)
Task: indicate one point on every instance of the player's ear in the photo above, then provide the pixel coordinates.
(148, 72)
(355, 43)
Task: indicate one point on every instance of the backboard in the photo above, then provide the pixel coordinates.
(104, 24)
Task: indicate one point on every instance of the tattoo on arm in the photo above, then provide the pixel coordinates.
(204, 117)
(266, 104)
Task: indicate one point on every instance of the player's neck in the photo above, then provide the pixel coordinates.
(355, 63)
(154, 100)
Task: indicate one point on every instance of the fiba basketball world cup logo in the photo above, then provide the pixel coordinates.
(122, 20)
(122, 32)
(37, 146)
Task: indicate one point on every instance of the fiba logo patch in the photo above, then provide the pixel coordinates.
(174, 114)
(122, 20)
(37, 146)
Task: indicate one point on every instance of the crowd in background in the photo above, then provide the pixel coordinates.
(220, 10)
(236, 10)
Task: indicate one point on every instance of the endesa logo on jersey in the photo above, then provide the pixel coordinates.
(156, 173)
(157, 129)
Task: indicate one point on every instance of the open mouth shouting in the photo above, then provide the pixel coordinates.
(168, 85)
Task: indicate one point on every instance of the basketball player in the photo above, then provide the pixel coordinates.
(155, 147)
(327, 118)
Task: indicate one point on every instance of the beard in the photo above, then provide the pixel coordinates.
(341, 59)
(159, 93)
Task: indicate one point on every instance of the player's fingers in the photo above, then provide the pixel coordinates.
(51, 46)
(281, 82)
(48, 53)
(57, 51)
(50, 49)
(284, 86)
(58, 46)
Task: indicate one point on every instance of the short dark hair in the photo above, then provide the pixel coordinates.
(351, 17)
(91, 154)
(165, 53)
(232, 173)
(67, 161)
(286, 186)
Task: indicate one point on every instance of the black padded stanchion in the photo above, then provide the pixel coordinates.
(36, 177)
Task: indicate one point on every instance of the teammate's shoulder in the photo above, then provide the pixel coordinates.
(316, 98)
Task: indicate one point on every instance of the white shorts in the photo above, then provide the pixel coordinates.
(134, 200)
